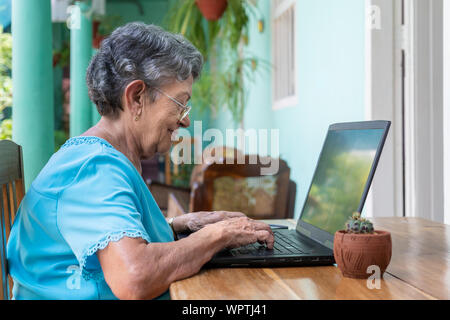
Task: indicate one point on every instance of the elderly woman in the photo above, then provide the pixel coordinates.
(88, 227)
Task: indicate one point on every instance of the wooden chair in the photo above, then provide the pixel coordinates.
(12, 187)
(202, 191)
(174, 208)
(201, 195)
(174, 201)
(162, 193)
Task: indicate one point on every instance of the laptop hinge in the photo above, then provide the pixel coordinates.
(307, 233)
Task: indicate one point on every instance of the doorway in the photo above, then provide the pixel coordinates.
(404, 84)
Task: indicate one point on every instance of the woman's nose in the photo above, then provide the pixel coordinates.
(185, 122)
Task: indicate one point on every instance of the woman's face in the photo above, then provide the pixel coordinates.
(160, 118)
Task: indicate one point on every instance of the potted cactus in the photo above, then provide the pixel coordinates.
(360, 246)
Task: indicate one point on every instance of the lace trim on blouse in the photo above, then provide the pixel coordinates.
(85, 140)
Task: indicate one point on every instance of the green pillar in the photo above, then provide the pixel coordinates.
(58, 29)
(95, 115)
(32, 75)
(80, 55)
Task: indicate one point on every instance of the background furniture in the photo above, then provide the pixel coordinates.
(163, 177)
(203, 187)
(419, 269)
(151, 169)
(201, 195)
(163, 192)
(12, 187)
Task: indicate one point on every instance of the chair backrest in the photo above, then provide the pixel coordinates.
(174, 207)
(203, 189)
(12, 192)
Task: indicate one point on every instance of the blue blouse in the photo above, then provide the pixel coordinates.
(87, 195)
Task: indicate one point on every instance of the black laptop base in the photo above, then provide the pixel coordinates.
(300, 251)
(222, 262)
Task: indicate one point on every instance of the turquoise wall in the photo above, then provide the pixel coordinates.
(153, 11)
(330, 50)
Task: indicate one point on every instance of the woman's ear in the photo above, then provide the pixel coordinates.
(134, 97)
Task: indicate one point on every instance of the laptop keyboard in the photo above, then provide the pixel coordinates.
(285, 244)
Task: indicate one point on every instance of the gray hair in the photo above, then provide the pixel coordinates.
(137, 51)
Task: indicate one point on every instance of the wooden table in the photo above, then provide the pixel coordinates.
(419, 269)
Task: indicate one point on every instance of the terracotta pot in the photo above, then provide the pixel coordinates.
(212, 10)
(355, 252)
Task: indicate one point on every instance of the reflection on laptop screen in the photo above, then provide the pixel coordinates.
(340, 177)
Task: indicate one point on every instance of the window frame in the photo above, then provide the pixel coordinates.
(279, 9)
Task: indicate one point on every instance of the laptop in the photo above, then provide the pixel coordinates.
(339, 187)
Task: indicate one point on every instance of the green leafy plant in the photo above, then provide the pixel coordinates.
(221, 85)
(6, 129)
(103, 26)
(357, 224)
(107, 23)
(182, 178)
(5, 82)
(5, 70)
(5, 92)
(5, 51)
(60, 138)
(62, 57)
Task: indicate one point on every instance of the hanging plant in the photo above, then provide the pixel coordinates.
(212, 10)
(221, 84)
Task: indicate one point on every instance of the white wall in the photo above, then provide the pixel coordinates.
(385, 198)
(447, 111)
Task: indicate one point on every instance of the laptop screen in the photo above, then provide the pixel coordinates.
(340, 177)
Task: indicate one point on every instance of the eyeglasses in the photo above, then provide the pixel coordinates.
(185, 109)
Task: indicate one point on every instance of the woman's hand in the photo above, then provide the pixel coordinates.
(195, 221)
(135, 269)
(240, 231)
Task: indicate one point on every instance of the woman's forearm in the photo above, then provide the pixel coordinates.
(135, 269)
(163, 263)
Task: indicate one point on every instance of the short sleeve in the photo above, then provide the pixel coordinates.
(98, 207)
